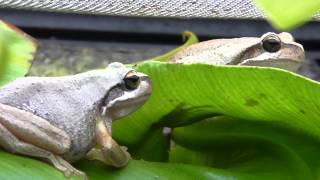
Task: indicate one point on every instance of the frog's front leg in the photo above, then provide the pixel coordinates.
(110, 152)
(24, 133)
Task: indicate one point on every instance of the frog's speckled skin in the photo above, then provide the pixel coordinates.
(70, 103)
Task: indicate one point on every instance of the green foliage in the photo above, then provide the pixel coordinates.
(228, 122)
(18, 167)
(144, 170)
(251, 147)
(188, 38)
(16, 53)
(288, 14)
(186, 92)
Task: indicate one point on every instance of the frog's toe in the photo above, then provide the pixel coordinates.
(67, 169)
(75, 173)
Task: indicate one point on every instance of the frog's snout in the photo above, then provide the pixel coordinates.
(146, 83)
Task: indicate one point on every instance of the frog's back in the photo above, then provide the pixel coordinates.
(216, 52)
(65, 102)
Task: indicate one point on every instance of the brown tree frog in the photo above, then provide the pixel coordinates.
(270, 50)
(59, 119)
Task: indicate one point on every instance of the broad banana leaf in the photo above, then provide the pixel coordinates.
(16, 52)
(259, 102)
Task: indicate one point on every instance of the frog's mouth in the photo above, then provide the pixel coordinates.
(120, 103)
(282, 63)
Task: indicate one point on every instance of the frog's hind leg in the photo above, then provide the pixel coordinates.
(12, 144)
(34, 130)
(24, 133)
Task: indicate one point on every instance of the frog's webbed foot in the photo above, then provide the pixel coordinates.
(24, 133)
(12, 144)
(67, 169)
(110, 153)
(112, 157)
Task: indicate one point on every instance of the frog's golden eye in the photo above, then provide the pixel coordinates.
(271, 43)
(131, 80)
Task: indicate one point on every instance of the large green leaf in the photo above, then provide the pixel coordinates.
(186, 93)
(18, 167)
(16, 52)
(144, 170)
(153, 147)
(275, 134)
(288, 14)
(26, 168)
(248, 146)
(264, 101)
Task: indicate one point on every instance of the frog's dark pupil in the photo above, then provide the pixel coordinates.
(271, 45)
(131, 82)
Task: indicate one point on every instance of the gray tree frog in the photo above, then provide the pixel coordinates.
(59, 119)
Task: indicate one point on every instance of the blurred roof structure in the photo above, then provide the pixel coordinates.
(244, 9)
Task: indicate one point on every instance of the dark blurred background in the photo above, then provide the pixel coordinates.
(71, 43)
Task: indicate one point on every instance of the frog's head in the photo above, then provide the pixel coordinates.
(275, 50)
(127, 95)
(271, 50)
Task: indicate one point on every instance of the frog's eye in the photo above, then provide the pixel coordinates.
(131, 80)
(271, 43)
